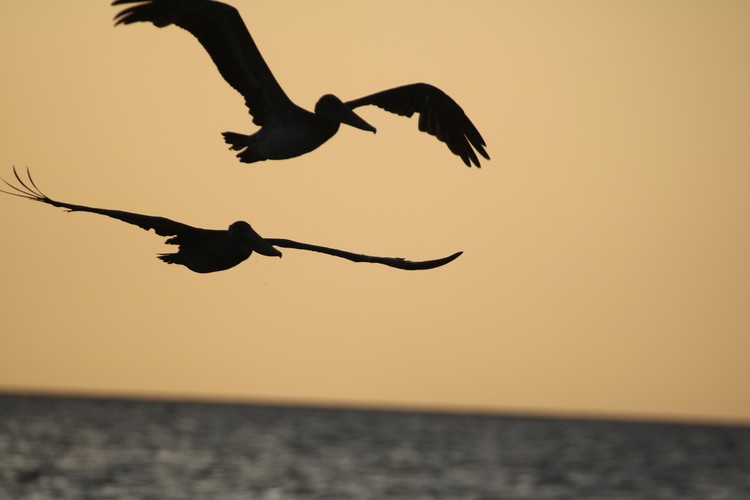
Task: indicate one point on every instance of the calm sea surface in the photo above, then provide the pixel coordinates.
(70, 448)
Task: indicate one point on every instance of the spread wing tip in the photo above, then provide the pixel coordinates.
(447, 260)
(426, 264)
(28, 189)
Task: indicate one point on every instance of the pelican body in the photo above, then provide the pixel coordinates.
(287, 130)
(299, 134)
(212, 250)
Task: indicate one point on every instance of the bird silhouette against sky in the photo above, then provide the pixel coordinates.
(211, 250)
(287, 130)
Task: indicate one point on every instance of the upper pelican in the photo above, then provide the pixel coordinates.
(211, 250)
(286, 129)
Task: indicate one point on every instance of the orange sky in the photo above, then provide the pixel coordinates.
(606, 244)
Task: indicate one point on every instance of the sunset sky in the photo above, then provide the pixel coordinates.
(606, 267)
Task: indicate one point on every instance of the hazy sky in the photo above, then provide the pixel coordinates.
(606, 267)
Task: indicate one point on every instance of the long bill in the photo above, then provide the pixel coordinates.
(351, 118)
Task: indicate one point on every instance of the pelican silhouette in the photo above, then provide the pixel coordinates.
(211, 250)
(287, 130)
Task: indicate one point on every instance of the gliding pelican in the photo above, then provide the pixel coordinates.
(287, 130)
(211, 250)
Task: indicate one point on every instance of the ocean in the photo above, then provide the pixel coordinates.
(88, 448)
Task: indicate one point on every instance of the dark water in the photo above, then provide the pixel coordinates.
(107, 449)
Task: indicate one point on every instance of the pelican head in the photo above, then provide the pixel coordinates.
(243, 232)
(331, 107)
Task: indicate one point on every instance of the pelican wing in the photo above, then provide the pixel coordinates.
(439, 115)
(161, 225)
(221, 31)
(397, 262)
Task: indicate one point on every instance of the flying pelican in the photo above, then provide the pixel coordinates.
(287, 130)
(211, 250)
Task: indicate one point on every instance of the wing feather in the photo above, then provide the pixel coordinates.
(397, 262)
(161, 225)
(220, 30)
(439, 115)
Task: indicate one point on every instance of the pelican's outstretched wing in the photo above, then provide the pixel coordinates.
(439, 115)
(221, 31)
(397, 262)
(161, 225)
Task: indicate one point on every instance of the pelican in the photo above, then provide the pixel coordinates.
(287, 130)
(211, 250)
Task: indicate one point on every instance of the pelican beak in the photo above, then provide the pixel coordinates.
(256, 241)
(332, 108)
(265, 248)
(353, 119)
